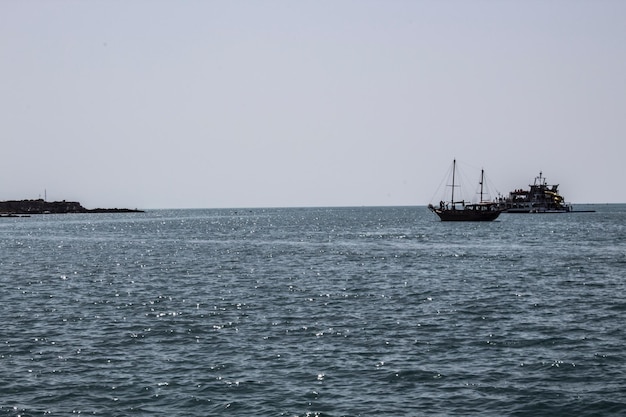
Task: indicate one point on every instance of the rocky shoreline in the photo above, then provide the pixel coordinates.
(40, 206)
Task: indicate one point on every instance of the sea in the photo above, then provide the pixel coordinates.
(354, 311)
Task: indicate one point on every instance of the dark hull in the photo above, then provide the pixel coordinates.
(466, 215)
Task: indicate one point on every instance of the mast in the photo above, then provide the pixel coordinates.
(453, 172)
(482, 179)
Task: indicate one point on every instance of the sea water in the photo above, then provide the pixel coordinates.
(313, 312)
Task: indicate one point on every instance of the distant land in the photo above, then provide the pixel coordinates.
(40, 206)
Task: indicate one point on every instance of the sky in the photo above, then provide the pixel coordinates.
(223, 104)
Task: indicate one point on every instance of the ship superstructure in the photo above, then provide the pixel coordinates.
(541, 198)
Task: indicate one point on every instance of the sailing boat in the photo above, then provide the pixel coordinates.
(482, 211)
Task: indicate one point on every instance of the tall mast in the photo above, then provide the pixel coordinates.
(482, 179)
(453, 172)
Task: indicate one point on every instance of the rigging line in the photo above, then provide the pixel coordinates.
(441, 186)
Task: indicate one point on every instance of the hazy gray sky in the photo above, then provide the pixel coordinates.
(183, 104)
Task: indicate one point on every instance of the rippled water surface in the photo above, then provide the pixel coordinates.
(313, 312)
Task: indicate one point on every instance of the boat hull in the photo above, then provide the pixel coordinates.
(460, 216)
(465, 215)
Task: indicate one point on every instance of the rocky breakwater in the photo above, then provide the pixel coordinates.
(41, 206)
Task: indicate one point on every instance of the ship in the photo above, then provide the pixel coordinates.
(41, 206)
(462, 211)
(541, 198)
